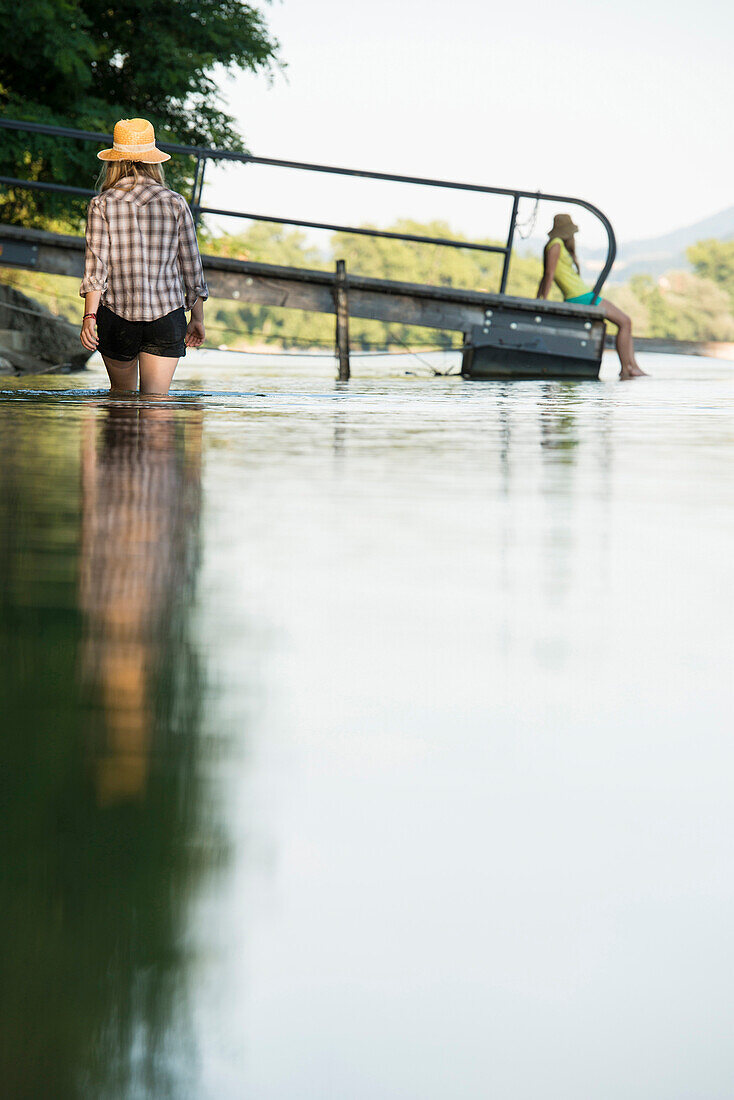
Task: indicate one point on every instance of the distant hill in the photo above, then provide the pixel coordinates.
(655, 255)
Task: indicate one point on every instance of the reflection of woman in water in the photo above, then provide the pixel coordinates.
(142, 266)
(108, 818)
(561, 266)
(140, 504)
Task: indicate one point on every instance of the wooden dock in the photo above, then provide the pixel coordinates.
(486, 319)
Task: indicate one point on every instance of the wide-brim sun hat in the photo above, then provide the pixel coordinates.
(134, 139)
(563, 226)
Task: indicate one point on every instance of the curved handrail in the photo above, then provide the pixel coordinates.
(204, 153)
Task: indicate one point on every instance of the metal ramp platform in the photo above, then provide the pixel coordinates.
(516, 340)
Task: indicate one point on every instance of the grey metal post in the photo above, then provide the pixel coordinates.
(197, 189)
(341, 302)
(510, 238)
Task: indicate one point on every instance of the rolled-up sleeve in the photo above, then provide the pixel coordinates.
(96, 257)
(192, 271)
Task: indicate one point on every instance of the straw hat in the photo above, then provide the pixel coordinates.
(134, 139)
(563, 227)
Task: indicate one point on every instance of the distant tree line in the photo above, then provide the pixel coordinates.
(682, 305)
(685, 305)
(240, 324)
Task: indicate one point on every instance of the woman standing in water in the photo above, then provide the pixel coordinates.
(142, 266)
(560, 265)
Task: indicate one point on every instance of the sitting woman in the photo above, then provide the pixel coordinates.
(561, 266)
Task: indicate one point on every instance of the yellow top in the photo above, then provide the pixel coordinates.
(566, 277)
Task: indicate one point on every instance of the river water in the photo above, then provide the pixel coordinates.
(369, 742)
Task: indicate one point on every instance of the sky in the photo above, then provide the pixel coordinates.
(627, 106)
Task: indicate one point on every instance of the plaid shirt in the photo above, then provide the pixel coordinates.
(142, 252)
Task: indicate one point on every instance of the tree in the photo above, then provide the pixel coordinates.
(679, 306)
(632, 298)
(435, 265)
(714, 260)
(378, 257)
(267, 243)
(86, 63)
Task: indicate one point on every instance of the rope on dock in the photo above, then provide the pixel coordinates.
(436, 373)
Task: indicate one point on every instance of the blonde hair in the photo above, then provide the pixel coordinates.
(114, 170)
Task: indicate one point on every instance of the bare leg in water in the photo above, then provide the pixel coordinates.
(625, 347)
(123, 374)
(156, 373)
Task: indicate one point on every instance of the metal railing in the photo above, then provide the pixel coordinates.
(204, 153)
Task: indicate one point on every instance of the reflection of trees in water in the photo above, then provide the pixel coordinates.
(107, 826)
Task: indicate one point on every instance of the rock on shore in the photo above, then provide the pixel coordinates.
(33, 340)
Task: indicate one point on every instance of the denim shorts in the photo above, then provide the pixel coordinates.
(122, 339)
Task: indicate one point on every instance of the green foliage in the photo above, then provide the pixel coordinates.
(235, 324)
(714, 260)
(376, 257)
(679, 306)
(683, 305)
(265, 243)
(632, 300)
(86, 63)
(58, 293)
(407, 261)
